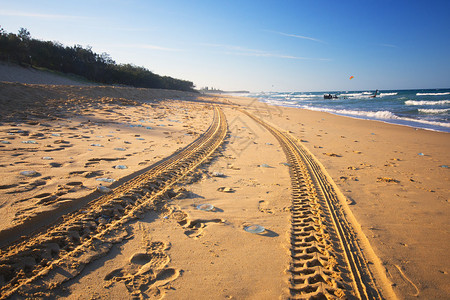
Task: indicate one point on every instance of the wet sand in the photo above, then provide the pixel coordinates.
(76, 135)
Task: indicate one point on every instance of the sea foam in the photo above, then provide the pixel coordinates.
(432, 94)
(368, 114)
(413, 102)
(387, 94)
(380, 115)
(434, 111)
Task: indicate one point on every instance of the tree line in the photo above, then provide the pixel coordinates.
(24, 50)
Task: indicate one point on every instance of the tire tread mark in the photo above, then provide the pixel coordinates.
(62, 245)
(314, 270)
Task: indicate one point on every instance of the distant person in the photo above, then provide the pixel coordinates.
(374, 95)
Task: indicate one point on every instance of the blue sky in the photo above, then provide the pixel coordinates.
(257, 45)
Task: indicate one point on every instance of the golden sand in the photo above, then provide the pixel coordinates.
(71, 136)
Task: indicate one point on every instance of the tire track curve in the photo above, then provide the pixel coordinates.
(32, 267)
(327, 262)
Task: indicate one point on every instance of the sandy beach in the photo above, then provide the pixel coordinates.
(61, 145)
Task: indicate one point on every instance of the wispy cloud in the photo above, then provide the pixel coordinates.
(146, 46)
(242, 51)
(11, 13)
(297, 36)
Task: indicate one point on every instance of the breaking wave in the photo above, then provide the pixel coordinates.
(368, 114)
(379, 115)
(434, 111)
(432, 94)
(387, 94)
(413, 102)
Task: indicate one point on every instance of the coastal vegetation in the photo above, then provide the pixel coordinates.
(26, 51)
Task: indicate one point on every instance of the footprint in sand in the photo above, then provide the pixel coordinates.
(332, 154)
(145, 273)
(387, 179)
(27, 186)
(195, 228)
(263, 207)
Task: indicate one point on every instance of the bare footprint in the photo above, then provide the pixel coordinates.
(263, 207)
(145, 272)
(193, 228)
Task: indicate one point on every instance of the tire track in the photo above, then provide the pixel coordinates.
(327, 262)
(33, 267)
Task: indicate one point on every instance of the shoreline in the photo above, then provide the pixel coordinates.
(444, 129)
(381, 113)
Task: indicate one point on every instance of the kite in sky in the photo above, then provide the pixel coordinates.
(351, 77)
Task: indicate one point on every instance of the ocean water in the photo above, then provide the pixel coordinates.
(426, 109)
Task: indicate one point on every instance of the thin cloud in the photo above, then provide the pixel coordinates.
(242, 51)
(146, 46)
(9, 13)
(234, 48)
(298, 36)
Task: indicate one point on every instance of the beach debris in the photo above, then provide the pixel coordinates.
(29, 142)
(205, 207)
(387, 179)
(121, 167)
(218, 174)
(264, 166)
(254, 229)
(285, 164)
(110, 180)
(351, 77)
(120, 149)
(444, 166)
(421, 154)
(28, 173)
(103, 189)
(140, 139)
(225, 189)
(5, 142)
(97, 145)
(56, 134)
